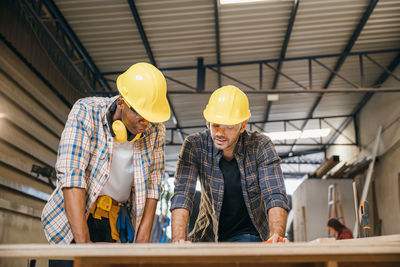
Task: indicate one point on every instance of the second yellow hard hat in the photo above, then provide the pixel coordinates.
(227, 105)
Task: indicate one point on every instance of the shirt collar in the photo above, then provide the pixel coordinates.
(105, 120)
(106, 110)
(240, 145)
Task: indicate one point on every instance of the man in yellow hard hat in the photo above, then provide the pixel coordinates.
(110, 163)
(243, 197)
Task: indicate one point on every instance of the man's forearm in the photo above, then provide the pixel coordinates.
(75, 205)
(180, 219)
(144, 231)
(277, 221)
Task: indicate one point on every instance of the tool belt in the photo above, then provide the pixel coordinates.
(106, 207)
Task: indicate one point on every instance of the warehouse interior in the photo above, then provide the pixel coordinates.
(306, 65)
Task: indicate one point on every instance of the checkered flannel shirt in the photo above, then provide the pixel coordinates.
(262, 181)
(84, 160)
(345, 234)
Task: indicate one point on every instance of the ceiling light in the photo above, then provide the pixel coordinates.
(289, 135)
(273, 97)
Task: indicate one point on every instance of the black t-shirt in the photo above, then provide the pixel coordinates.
(234, 218)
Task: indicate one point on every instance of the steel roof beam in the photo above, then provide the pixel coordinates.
(150, 55)
(232, 78)
(142, 33)
(285, 75)
(267, 61)
(392, 66)
(286, 41)
(217, 40)
(300, 91)
(385, 70)
(352, 41)
(299, 153)
(201, 74)
(343, 57)
(55, 12)
(271, 121)
(279, 91)
(181, 83)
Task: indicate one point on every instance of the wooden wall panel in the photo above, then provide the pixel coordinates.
(35, 100)
(17, 159)
(14, 136)
(28, 104)
(22, 199)
(28, 123)
(18, 71)
(18, 33)
(20, 178)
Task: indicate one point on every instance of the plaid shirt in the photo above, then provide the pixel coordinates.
(345, 234)
(84, 160)
(261, 176)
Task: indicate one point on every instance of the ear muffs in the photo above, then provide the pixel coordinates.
(118, 129)
(121, 134)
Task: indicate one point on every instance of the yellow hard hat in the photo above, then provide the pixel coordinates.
(144, 88)
(228, 105)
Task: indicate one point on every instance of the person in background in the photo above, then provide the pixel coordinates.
(110, 163)
(243, 196)
(341, 231)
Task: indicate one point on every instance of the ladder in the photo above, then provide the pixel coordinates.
(335, 208)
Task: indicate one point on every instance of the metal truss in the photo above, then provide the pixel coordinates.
(306, 88)
(341, 60)
(316, 142)
(62, 45)
(324, 119)
(301, 160)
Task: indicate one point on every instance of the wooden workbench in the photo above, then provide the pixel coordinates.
(376, 251)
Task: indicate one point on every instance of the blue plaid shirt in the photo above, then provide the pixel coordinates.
(261, 176)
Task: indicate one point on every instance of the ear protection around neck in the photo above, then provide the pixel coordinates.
(118, 129)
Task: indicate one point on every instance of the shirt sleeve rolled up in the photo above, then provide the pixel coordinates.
(270, 177)
(185, 177)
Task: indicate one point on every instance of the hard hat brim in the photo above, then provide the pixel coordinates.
(223, 121)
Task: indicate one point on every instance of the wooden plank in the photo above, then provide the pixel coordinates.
(236, 264)
(355, 206)
(17, 69)
(28, 123)
(25, 102)
(331, 264)
(303, 212)
(23, 199)
(326, 166)
(10, 134)
(374, 251)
